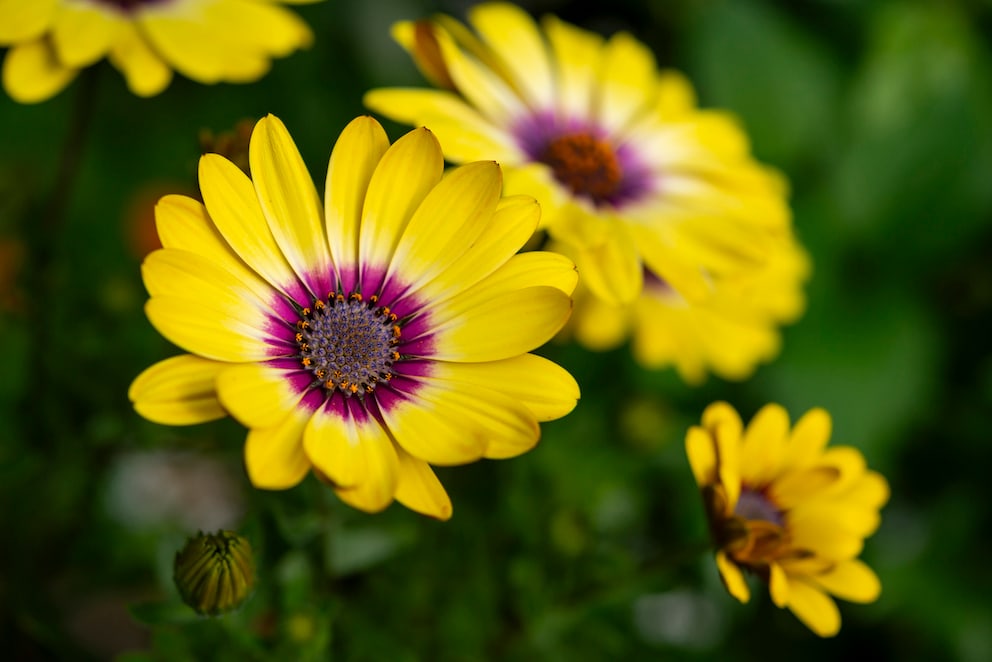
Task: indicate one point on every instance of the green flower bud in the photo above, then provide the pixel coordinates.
(215, 572)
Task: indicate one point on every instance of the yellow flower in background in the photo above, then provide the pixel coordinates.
(785, 507)
(729, 332)
(627, 170)
(366, 338)
(209, 41)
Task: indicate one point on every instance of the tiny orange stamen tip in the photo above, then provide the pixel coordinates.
(306, 361)
(356, 296)
(353, 388)
(374, 298)
(329, 385)
(306, 312)
(299, 337)
(393, 317)
(396, 331)
(318, 304)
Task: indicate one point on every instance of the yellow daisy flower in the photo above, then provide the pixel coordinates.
(786, 508)
(209, 41)
(364, 338)
(727, 333)
(626, 168)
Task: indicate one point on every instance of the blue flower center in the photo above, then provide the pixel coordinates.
(755, 505)
(348, 343)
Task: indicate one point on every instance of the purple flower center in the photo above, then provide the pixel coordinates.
(755, 505)
(584, 159)
(348, 344)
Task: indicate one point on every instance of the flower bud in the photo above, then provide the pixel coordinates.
(215, 572)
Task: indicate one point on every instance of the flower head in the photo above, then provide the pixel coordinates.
(366, 337)
(783, 506)
(628, 171)
(209, 41)
(728, 333)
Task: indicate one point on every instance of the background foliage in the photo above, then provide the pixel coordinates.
(591, 546)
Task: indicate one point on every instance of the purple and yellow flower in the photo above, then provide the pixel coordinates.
(729, 333)
(628, 171)
(368, 337)
(783, 506)
(209, 41)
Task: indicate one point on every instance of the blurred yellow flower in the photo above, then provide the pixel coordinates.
(788, 509)
(728, 333)
(367, 337)
(209, 41)
(627, 170)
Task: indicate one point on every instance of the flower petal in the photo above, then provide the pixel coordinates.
(612, 269)
(733, 578)
(514, 38)
(809, 437)
(33, 73)
(626, 75)
(274, 456)
(233, 206)
(444, 425)
(419, 489)
(210, 332)
(466, 199)
(82, 34)
(851, 580)
(378, 487)
(577, 54)
(25, 20)
(700, 450)
(778, 585)
(144, 70)
(178, 391)
(344, 446)
(814, 608)
(258, 395)
(356, 154)
(289, 200)
(546, 388)
(763, 447)
(408, 170)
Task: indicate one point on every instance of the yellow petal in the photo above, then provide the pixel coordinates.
(700, 450)
(289, 200)
(764, 444)
(675, 97)
(183, 224)
(234, 208)
(721, 413)
(260, 26)
(577, 54)
(546, 388)
(32, 72)
(465, 199)
(825, 532)
(464, 133)
(274, 456)
(342, 446)
(144, 70)
(851, 580)
(356, 154)
(778, 585)
(537, 181)
(809, 437)
(796, 486)
(381, 472)
(208, 331)
(500, 326)
(419, 489)
(82, 34)
(25, 20)
(612, 269)
(258, 395)
(733, 578)
(626, 77)
(869, 491)
(445, 425)
(178, 391)
(408, 170)
(814, 608)
(187, 43)
(513, 37)
(663, 256)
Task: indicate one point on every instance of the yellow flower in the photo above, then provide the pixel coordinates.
(729, 332)
(209, 41)
(626, 168)
(363, 338)
(786, 508)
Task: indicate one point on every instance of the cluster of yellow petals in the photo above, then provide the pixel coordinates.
(821, 503)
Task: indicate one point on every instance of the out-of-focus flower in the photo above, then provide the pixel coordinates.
(783, 506)
(367, 338)
(728, 333)
(627, 170)
(215, 572)
(209, 41)
(232, 145)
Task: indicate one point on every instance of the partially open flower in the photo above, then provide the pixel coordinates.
(784, 507)
(215, 572)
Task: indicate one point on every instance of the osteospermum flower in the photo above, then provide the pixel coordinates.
(783, 506)
(209, 41)
(366, 338)
(729, 332)
(627, 169)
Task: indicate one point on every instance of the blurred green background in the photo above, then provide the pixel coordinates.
(591, 547)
